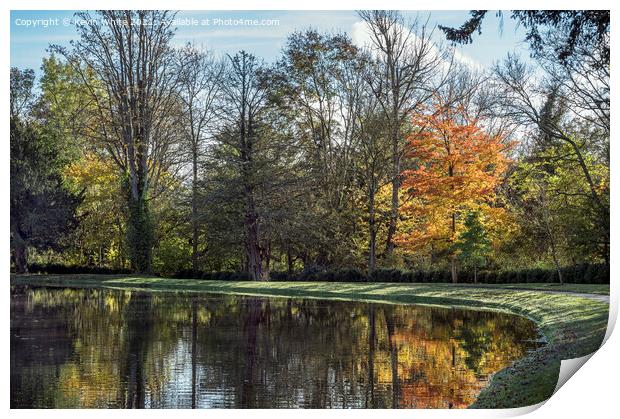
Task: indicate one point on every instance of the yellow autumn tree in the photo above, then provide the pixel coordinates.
(100, 236)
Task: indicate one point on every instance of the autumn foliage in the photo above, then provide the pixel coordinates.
(459, 168)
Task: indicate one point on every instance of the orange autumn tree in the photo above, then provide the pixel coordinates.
(459, 168)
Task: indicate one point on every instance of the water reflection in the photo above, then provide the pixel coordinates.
(109, 348)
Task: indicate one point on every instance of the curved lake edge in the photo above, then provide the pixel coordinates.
(572, 326)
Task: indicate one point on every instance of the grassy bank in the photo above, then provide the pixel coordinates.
(574, 326)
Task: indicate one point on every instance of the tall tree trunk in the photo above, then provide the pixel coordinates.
(140, 230)
(549, 230)
(195, 212)
(289, 260)
(453, 257)
(246, 149)
(372, 257)
(267, 259)
(120, 263)
(140, 235)
(20, 256)
(372, 244)
(554, 255)
(453, 271)
(392, 226)
(252, 246)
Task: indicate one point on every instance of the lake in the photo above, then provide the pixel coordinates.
(104, 348)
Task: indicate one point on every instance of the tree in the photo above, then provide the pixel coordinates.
(245, 103)
(42, 210)
(473, 245)
(533, 184)
(318, 87)
(67, 105)
(199, 76)
(406, 66)
(20, 93)
(99, 238)
(374, 157)
(130, 55)
(460, 169)
(580, 27)
(374, 166)
(556, 123)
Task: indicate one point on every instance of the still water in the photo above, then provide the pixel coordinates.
(93, 348)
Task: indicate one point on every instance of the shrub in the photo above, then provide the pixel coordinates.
(350, 275)
(58, 269)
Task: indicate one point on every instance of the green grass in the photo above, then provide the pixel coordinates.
(602, 289)
(573, 326)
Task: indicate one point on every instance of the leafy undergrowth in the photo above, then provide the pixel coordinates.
(573, 326)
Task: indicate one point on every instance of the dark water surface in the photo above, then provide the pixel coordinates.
(94, 348)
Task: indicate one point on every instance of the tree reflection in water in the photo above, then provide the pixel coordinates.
(109, 348)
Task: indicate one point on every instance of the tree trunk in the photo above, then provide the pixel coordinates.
(556, 261)
(372, 243)
(267, 259)
(453, 269)
(120, 263)
(392, 226)
(194, 213)
(549, 231)
(252, 240)
(289, 260)
(372, 257)
(140, 235)
(453, 257)
(20, 256)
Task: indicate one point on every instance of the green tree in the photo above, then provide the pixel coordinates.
(473, 244)
(42, 210)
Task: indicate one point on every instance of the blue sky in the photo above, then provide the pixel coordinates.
(29, 44)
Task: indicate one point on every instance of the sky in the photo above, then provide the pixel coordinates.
(33, 31)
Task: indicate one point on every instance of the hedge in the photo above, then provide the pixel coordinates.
(58, 269)
(576, 274)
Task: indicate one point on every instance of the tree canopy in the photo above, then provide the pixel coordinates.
(133, 152)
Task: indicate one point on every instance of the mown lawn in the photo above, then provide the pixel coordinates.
(573, 326)
(578, 288)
